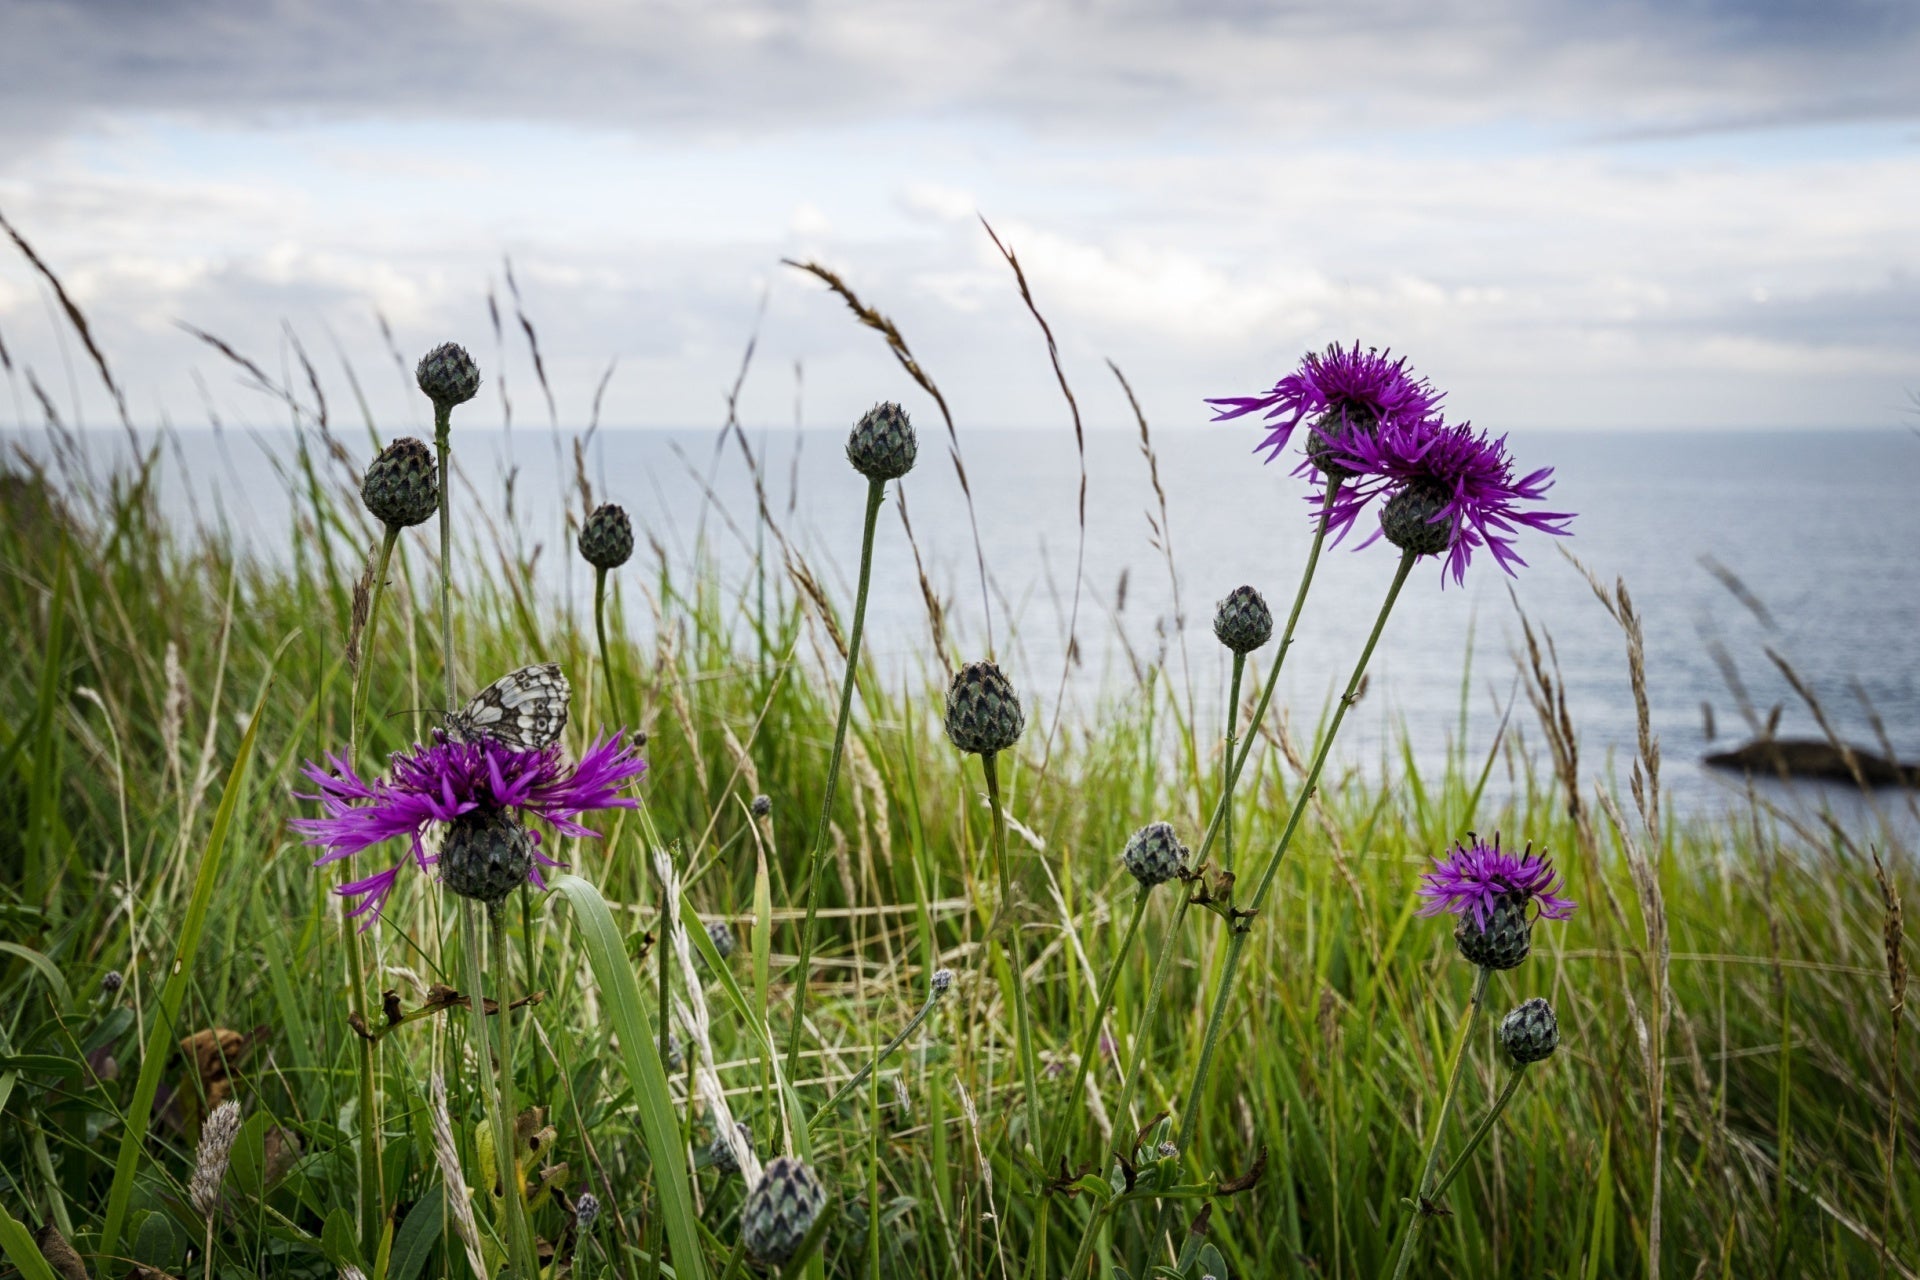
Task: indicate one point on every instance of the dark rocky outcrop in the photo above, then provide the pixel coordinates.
(1815, 758)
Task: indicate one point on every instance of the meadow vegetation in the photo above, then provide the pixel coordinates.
(1726, 1098)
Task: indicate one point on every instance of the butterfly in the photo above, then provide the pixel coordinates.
(524, 709)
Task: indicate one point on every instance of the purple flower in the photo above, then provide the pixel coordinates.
(1472, 878)
(1468, 476)
(440, 781)
(1337, 388)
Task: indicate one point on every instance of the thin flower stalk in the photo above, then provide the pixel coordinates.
(876, 492)
(1479, 1134)
(1236, 944)
(1057, 1137)
(606, 654)
(1431, 1161)
(495, 1091)
(887, 1050)
(1012, 950)
(373, 1208)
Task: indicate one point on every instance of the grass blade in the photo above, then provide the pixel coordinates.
(179, 975)
(606, 951)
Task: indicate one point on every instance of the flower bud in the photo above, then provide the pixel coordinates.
(983, 711)
(781, 1209)
(448, 375)
(1243, 622)
(1504, 941)
(1530, 1033)
(606, 539)
(486, 855)
(1154, 854)
(882, 445)
(402, 487)
(1408, 519)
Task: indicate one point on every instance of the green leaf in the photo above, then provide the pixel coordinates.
(337, 1238)
(165, 1028)
(607, 953)
(47, 968)
(21, 1251)
(414, 1243)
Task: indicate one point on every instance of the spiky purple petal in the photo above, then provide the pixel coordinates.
(439, 781)
(1475, 471)
(1471, 878)
(1358, 387)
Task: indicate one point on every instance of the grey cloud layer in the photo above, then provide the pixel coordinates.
(1651, 66)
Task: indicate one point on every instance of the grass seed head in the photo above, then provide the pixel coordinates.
(210, 1162)
(606, 539)
(402, 486)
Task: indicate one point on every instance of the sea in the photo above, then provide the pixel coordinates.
(1091, 566)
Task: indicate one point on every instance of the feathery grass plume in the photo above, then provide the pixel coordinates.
(351, 1272)
(881, 447)
(694, 1017)
(211, 1159)
(447, 1155)
(785, 1202)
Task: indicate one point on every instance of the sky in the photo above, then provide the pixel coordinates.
(1566, 213)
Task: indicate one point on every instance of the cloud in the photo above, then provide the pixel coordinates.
(1566, 212)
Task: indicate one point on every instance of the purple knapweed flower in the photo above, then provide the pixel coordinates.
(1471, 879)
(1461, 481)
(440, 781)
(1335, 390)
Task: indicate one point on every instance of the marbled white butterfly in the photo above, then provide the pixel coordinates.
(524, 709)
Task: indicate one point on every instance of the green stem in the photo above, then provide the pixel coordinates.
(1056, 1140)
(1229, 772)
(1479, 1135)
(876, 492)
(519, 1232)
(489, 1086)
(1214, 824)
(373, 1208)
(879, 1059)
(1023, 1023)
(1084, 1254)
(1136, 1066)
(533, 975)
(1432, 1161)
(606, 655)
(442, 426)
(1236, 944)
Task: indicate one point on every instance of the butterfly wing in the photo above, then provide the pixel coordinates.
(524, 709)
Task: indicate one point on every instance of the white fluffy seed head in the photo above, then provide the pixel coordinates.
(210, 1163)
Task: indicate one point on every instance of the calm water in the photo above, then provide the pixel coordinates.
(1823, 528)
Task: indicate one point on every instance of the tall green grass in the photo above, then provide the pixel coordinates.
(133, 652)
